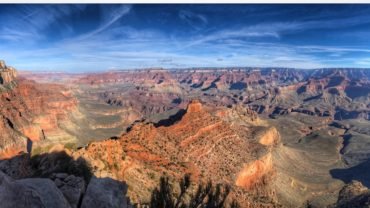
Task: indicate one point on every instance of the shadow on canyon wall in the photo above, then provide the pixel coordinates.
(164, 122)
(360, 172)
(172, 119)
(44, 165)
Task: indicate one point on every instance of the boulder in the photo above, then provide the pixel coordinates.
(104, 193)
(31, 193)
(71, 186)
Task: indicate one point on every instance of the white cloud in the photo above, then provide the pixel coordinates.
(110, 17)
(197, 21)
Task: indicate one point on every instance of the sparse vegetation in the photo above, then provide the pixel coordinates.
(205, 196)
(71, 146)
(59, 162)
(40, 150)
(151, 175)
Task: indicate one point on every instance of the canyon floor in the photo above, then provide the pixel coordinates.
(278, 137)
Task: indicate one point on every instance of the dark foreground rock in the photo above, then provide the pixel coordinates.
(353, 194)
(66, 191)
(104, 193)
(31, 193)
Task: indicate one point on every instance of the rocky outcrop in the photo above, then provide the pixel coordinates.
(56, 179)
(7, 74)
(72, 187)
(353, 194)
(270, 137)
(194, 107)
(33, 192)
(105, 192)
(255, 173)
(62, 190)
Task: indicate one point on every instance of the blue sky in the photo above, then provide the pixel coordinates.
(78, 38)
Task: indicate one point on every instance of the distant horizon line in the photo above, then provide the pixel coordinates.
(188, 68)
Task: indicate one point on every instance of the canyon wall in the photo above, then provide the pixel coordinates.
(31, 113)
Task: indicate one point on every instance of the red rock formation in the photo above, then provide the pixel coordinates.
(270, 137)
(199, 143)
(255, 172)
(194, 106)
(30, 110)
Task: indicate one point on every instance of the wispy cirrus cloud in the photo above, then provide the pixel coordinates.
(197, 21)
(98, 37)
(235, 33)
(30, 22)
(110, 16)
(8, 34)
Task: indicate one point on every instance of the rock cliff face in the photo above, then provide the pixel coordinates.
(198, 143)
(7, 75)
(31, 112)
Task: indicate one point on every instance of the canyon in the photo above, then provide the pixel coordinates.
(279, 137)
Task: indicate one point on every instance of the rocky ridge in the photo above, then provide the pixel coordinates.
(200, 144)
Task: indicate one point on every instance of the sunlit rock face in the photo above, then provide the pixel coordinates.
(30, 112)
(197, 142)
(7, 74)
